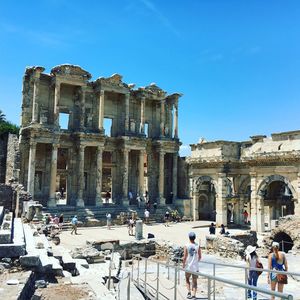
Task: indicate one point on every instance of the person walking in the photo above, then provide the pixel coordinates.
(108, 221)
(277, 261)
(61, 221)
(191, 258)
(74, 223)
(252, 261)
(147, 215)
(167, 218)
(130, 226)
(245, 215)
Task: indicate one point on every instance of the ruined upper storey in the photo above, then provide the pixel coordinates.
(67, 99)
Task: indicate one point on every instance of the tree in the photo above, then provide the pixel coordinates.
(2, 116)
(6, 126)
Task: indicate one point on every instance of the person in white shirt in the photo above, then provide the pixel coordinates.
(191, 258)
(147, 215)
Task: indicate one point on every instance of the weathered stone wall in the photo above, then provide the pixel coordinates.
(6, 196)
(3, 153)
(12, 158)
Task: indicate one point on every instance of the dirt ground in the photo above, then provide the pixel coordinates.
(63, 291)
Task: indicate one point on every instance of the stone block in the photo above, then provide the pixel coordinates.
(30, 261)
(68, 262)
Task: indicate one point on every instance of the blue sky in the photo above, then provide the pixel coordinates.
(236, 62)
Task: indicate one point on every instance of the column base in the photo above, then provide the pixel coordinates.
(125, 202)
(98, 202)
(80, 203)
(51, 203)
(161, 201)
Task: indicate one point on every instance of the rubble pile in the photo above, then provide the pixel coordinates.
(224, 246)
(168, 251)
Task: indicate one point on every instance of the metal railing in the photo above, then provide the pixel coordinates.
(143, 283)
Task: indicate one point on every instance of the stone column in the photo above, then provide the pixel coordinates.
(176, 120)
(253, 201)
(161, 178)
(260, 214)
(142, 125)
(141, 172)
(162, 118)
(101, 111)
(221, 205)
(82, 108)
(31, 169)
(297, 196)
(127, 112)
(241, 209)
(80, 202)
(99, 177)
(36, 88)
(52, 192)
(195, 201)
(125, 176)
(56, 103)
(174, 183)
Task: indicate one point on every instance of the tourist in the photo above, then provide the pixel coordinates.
(138, 199)
(48, 219)
(62, 190)
(61, 221)
(130, 226)
(212, 229)
(147, 215)
(74, 223)
(108, 220)
(191, 258)
(222, 231)
(155, 206)
(252, 261)
(277, 261)
(55, 220)
(245, 215)
(130, 197)
(167, 218)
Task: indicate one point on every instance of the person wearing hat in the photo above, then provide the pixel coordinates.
(277, 261)
(252, 260)
(191, 258)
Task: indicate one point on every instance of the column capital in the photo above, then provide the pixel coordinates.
(55, 146)
(253, 174)
(32, 144)
(101, 92)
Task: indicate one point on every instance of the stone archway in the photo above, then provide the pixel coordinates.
(285, 241)
(276, 194)
(205, 192)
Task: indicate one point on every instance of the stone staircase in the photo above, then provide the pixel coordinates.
(99, 213)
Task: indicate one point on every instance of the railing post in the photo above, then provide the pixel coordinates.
(208, 288)
(178, 275)
(128, 287)
(214, 282)
(175, 282)
(168, 268)
(146, 261)
(246, 282)
(138, 273)
(157, 283)
(132, 267)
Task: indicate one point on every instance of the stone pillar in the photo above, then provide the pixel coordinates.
(56, 103)
(82, 108)
(174, 174)
(142, 125)
(221, 205)
(127, 112)
(101, 111)
(176, 120)
(297, 196)
(125, 176)
(162, 118)
(141, 172)
(257, 206)
(194, 195)
(241, 209)
(139, 230)
(52, 192)
(36, 88)
(80, 202)
(31, 169)
(161, 178)
(99, 177)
